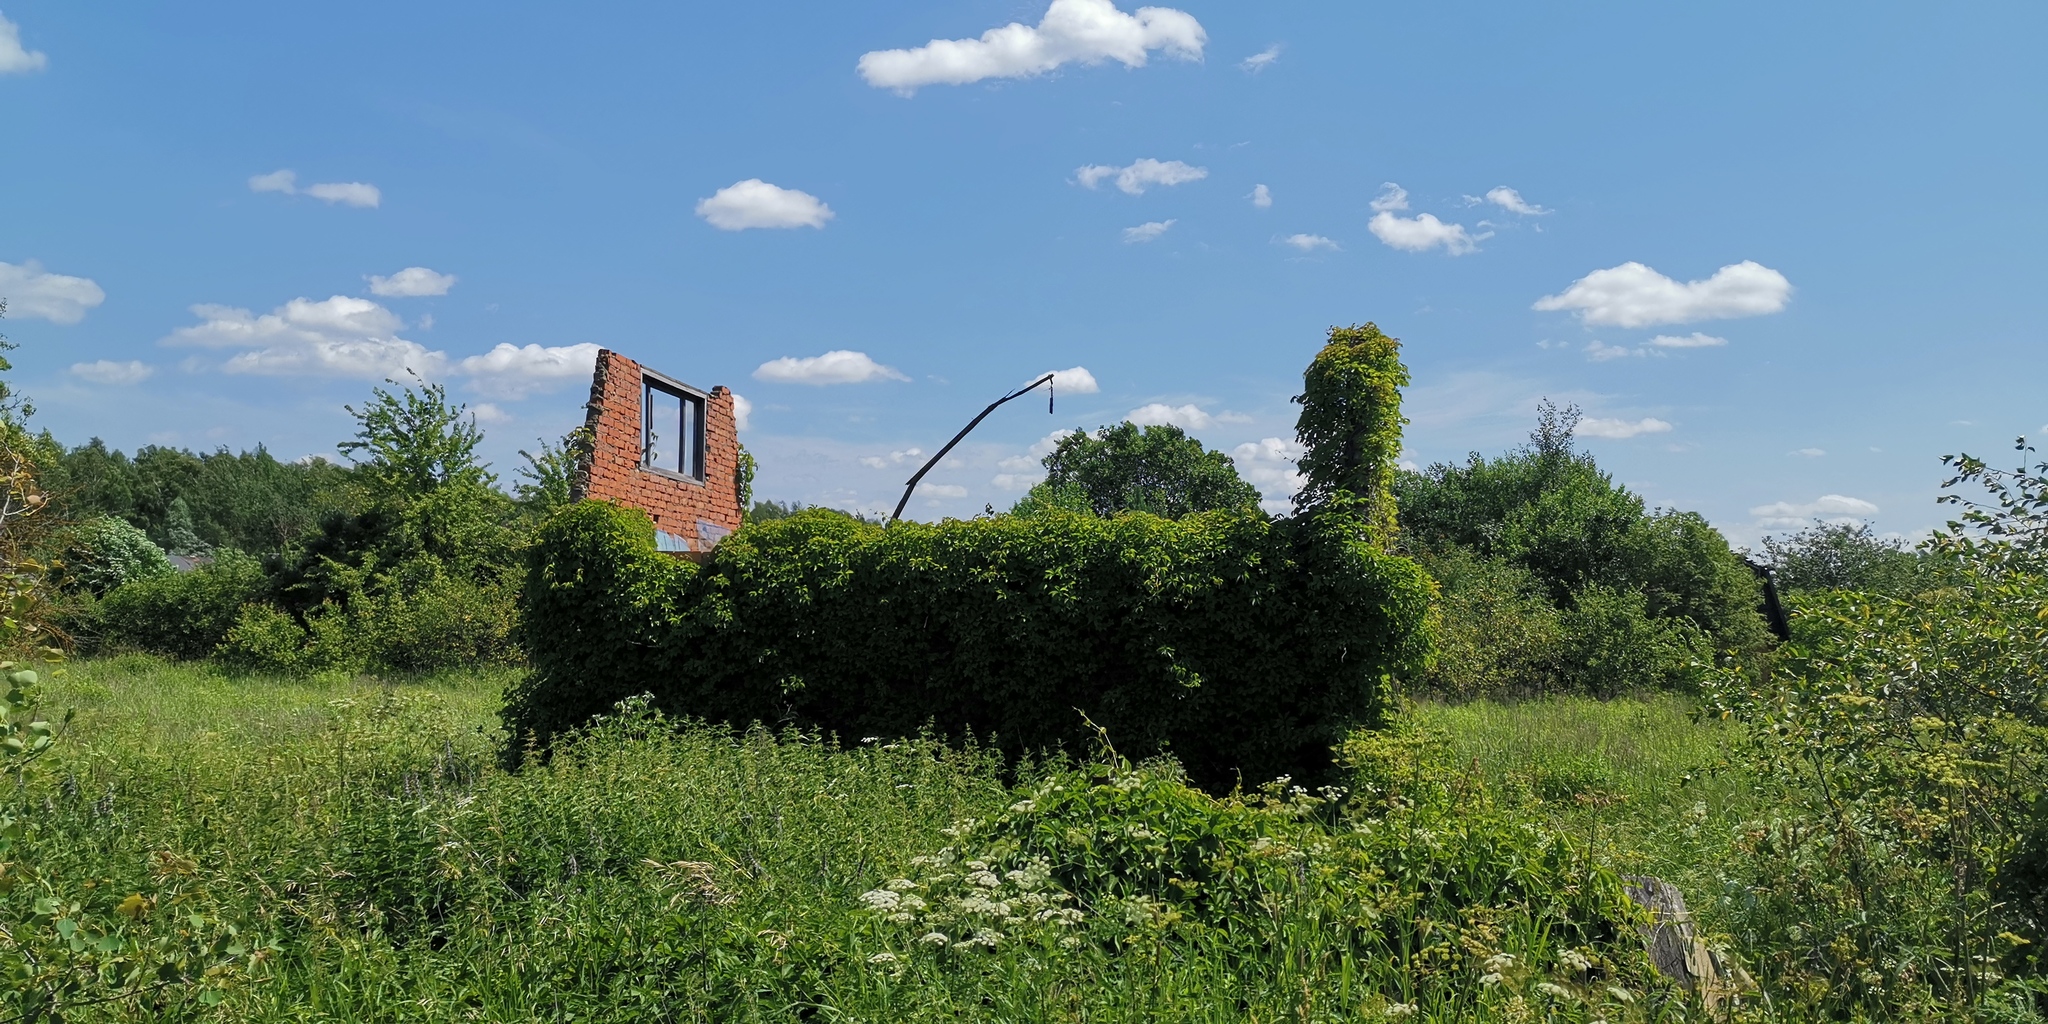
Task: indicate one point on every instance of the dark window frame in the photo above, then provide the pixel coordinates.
(695, 406)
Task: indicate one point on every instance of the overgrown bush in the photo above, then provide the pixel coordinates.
(1235, 642)
(183, 615)
(1123, 468)
(105, 552)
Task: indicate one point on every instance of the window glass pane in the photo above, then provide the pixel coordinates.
(693, 438)
(663, 443)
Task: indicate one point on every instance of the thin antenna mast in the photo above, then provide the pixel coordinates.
(927, 467)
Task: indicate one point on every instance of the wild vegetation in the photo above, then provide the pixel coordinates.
(275, 787)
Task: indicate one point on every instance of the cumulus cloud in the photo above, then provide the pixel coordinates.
(892, 459)
(1599, 351)
(1261, 197)
(1594, 426)
(1072, 31)
(1510, 200)
(945, 490)
(348, 193)
(1148, 231)
(1022, 472)
(1633, 295)
(1261, 60)
(742, 411)
(1419, 233)
(754, 203)
(1835, 507)
(1186, 417)
(1310, 243)
(14, 58)
(1074, 381)
(412, 282)
(487, 413)
(836, 367)
(107, 371)
(514, 372)
(340, 336)
(1271, 465)
(59, 298)
(1141, 174)
(1693, 340)
(1811, 453)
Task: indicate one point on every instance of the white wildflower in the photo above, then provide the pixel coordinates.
(1553, 990)
(1620, 994)
(1500, 962)
(1574, 961)
(882, 958)
(1023, 807)
(880, 899)
(901, 885)
(900, 917)
(934, 938)
(1489, 979)
(977, 865)
(1396, 1011)
(985, 878)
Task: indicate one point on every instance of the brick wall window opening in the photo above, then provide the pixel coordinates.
(672, 430)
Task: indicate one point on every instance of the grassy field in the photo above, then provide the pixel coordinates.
(373, 863)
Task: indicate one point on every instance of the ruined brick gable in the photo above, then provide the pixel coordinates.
(690, 515)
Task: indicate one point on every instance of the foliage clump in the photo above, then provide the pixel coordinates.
(1350, 425)
(1157, 469)
(1236, 642)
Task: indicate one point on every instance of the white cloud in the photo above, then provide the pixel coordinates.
(340, 336)
(1259, 61)
(514, 372)
(1422, 233)
(1186, 417)
(1142, 173)
(836, 367)
(1419, 233)
(1084, 31)
(486, 412)
(412, 282)
(1787, 513)
(276, 181)
(892, 459)
(1261, 197)
(754, 203)
(1633, 295)
(59, 298)
(1811, 453)
(1594, 426)
(1693, 340)
(1599, 351)
(945, 490)
(349, 193)
(1022, 472)
(1510, 200)
(1271, 465)
(1310, 243)
(1074, 381)
(1148, 231)
(107, 371)
(742, 411)
(14, 59)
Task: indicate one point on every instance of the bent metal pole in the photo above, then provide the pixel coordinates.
(927, 467)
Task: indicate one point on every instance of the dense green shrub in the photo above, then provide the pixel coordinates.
(183, 615)
(1236, 642)
(1350, 425)
(105, 553)
(1497, 632)
(1845, 556)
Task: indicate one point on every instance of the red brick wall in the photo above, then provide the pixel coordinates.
(693, 516)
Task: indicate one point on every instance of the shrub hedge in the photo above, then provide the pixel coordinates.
(1240, 644)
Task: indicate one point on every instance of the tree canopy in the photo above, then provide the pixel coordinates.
(1127, 468)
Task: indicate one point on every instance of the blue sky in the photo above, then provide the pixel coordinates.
(1080, 190)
